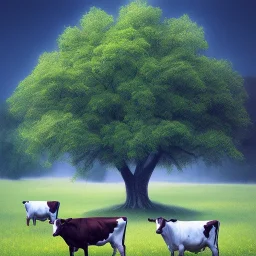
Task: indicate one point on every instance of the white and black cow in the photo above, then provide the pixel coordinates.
(41, 210)
(82, 232)
(192, 236)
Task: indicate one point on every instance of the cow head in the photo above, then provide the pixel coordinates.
(160, 224)
(58, 225)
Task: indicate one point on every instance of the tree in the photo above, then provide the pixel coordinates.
(245, 171)
(97, 173)
(14, 163)
(138, 92)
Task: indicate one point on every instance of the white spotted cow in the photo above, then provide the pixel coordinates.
(82, 232)
(192, 236)
(41, 210)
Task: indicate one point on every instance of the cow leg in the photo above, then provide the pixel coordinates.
(28, 220)
(121, 249)
(51, 220)
(34, 221)
(215, 251)
(114, 249)
(181, 250)
(114, 252)
(52, 217)
(71, 251)
(86, 251)
(171, 251)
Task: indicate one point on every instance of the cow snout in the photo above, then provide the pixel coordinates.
(55, 234)
(159, 231)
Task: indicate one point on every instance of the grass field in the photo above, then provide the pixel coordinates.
(233, 205)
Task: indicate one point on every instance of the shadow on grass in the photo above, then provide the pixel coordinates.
(159, 210)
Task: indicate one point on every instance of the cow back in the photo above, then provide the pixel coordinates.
(53, 206)
(81, 232)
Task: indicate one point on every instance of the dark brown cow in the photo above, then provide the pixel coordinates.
(82, 232)
(41, 210)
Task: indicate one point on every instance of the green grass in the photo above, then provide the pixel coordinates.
(233, 205)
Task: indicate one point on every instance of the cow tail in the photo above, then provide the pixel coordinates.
(126, 220)
(58, 206)
(217, 236)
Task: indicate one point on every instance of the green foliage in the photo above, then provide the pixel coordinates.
(118, 90)
(14, 163)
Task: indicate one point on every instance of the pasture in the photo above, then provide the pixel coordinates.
(234, 205)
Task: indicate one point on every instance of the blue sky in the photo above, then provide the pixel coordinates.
(30, 27)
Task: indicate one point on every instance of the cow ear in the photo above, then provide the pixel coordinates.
(151, 220)
(62, 221)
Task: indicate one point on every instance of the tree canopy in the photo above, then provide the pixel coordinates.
(121, 90)
(14, 162)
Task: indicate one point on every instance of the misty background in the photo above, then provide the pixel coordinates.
(28, 28)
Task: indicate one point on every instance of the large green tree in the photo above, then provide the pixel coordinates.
(133, 92)
(14, 162)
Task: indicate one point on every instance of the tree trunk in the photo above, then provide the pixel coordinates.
(137, 194)
(137, 184)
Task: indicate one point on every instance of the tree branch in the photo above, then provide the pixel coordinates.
(184, 151)
(147, 166)
(176, 163)
(125, 171)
